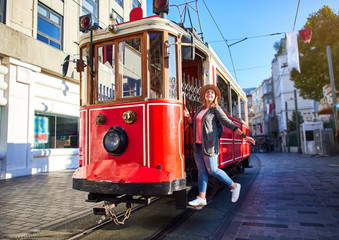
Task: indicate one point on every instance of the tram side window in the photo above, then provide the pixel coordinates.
(156, 65)
(130, 67)
(242, 107)
(235, 104)
(224, 89)
(173, 81)
(106, 73)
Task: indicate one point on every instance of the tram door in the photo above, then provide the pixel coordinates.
(191, 84)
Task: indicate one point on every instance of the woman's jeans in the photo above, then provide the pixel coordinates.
(209, 165)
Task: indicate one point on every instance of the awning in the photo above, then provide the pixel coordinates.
(325, 111)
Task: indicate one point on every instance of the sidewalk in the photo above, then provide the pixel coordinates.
(32, 203)
(294, 197)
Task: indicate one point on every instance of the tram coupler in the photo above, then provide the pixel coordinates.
(103, 209)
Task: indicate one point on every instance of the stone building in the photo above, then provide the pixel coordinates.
(39, 113)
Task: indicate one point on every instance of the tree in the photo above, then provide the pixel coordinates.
(292, 124)
(313, 57)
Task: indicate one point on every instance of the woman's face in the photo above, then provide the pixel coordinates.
(209, 95)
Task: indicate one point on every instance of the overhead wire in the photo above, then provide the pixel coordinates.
(225, 40)
(258, 36)
(296, 14)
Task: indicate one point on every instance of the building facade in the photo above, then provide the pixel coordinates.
(274, 103)
(39, 115)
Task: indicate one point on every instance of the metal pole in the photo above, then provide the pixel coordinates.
(297, 121)
(287, 132)
(330, 67)
(334, 94)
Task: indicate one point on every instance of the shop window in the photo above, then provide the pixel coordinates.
(224, 90)
(173, 81)
(55, 131)
(136, 4)
(3, 11)
(130, 67)
(49, 27)
(235, 104)
(91, 7)
(106, 73)
(156, 65)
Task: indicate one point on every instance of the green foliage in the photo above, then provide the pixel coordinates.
(313, 56)
(277, 47)
(292, 124)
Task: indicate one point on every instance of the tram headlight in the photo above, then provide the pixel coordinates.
(115, 141)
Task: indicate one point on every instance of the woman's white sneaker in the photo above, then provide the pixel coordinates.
(236, 192)
(198, 202)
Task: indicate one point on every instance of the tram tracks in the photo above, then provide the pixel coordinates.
(108, 221)
(161, 220)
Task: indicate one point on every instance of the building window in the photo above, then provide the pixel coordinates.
(3, 11)
(120, 2)
(119, 18)
(55, 131)
(136, 4)
(91, 7)
(49, 27)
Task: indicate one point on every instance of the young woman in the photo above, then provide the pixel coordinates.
(206, 142)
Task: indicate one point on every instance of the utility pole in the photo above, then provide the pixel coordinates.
(334, 94)
(330, 68)
(297, 121)
(287, 132)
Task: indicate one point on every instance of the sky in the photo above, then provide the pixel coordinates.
(238, 19)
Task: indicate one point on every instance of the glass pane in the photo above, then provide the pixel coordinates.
(106, 73)
(43, 11)
(173, 81)
(44, 131)
(55, 18)
(42, 38)
(83, 97)
(156, 65)
(48, 29)
(67, 132)
(136, 4)
(54, 44)
(130, 67)
(85, 12)
(89, 6)
(235, 104)
(242, 106)
(119, 2)
(223, 86)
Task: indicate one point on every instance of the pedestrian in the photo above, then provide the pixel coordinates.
(206, 142)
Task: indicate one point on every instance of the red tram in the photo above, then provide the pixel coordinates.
(137, 78)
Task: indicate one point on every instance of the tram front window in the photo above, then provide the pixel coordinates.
(173, 82)
(130, 67)
(106, 73)
(156, 65)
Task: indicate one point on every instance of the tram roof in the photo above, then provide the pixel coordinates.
(157, 23)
